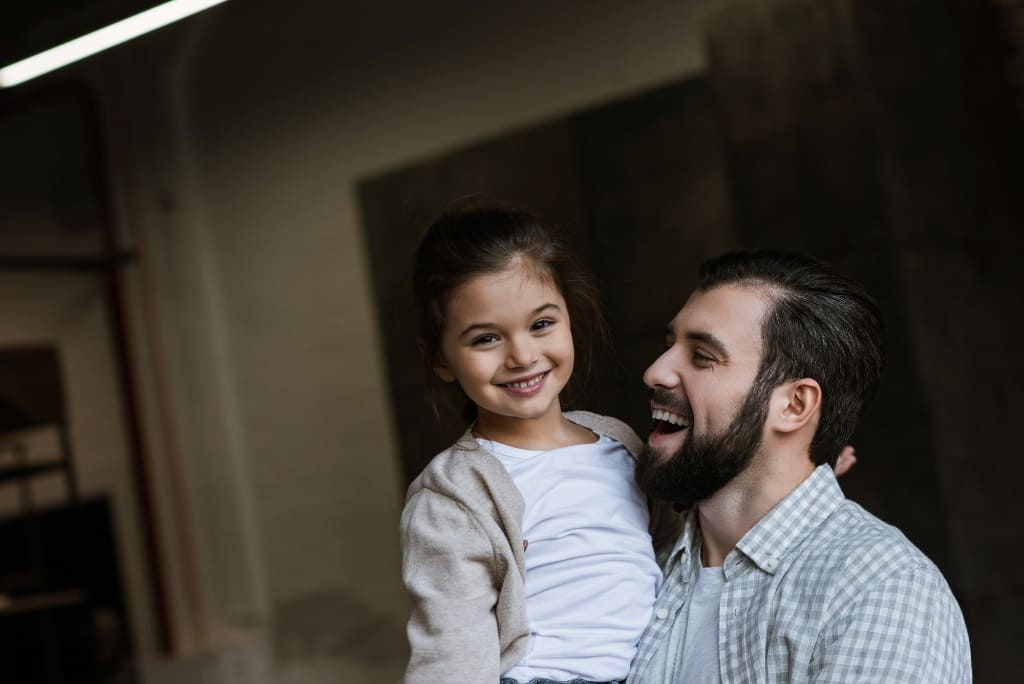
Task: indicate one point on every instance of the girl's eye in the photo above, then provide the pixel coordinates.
(542, 323)
(484, 340)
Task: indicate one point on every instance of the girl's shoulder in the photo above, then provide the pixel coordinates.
(468, 474)
(607, 425)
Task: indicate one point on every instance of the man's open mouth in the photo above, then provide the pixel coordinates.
(666, 422)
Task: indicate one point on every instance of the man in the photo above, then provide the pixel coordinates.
(776, 577)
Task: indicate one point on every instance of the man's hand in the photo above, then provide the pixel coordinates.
(847, 459)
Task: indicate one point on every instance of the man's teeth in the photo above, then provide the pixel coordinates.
(529, 383)
(675, 419)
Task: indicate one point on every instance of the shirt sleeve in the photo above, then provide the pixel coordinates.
(908, 629)
(448, 568)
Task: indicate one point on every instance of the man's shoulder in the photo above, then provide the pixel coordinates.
(852, 545)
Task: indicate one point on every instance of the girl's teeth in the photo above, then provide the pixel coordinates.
(528, 383)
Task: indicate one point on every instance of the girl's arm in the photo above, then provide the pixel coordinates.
(448, 566)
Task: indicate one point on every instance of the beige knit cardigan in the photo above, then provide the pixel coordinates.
(462, 561)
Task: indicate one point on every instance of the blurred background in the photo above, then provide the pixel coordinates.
(210, 403)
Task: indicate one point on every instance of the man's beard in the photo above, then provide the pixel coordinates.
(705, 463)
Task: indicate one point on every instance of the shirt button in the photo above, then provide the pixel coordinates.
(771, 563)
(662, 613)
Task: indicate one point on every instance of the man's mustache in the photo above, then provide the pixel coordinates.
(671, 402)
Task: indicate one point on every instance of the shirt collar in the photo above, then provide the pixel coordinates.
(687, 544)
(801, 511)
(767, 542)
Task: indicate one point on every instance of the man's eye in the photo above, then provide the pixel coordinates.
(484, 340)
(701, 358)
(542, 323)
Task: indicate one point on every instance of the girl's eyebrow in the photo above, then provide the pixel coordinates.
(488, 326)
(544, 307)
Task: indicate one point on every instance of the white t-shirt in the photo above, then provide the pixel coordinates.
(591, 577)
(700, 645)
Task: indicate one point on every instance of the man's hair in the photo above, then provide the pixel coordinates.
(818, 325)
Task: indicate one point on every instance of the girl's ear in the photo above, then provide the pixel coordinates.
(442, 370)
(798, 404)
(440, 365)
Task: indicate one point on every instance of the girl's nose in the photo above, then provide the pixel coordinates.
(522, 353)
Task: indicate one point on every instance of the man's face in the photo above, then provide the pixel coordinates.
(708, 421)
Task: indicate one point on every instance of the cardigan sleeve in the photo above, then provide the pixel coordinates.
(449, 569)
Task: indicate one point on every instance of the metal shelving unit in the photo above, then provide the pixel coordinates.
(32, 400)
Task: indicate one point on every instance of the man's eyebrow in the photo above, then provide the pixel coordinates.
(709, 340)
(487, 326)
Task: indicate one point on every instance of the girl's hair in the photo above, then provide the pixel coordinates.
(480, 237)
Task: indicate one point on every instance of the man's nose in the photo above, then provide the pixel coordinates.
(662, 372)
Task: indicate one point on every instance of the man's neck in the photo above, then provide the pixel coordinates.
(734, 509)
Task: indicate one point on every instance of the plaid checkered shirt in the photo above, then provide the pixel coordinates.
(819, 590)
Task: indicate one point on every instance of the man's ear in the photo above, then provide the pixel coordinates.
(795, 404)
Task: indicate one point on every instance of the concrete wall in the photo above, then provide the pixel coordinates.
(49, 208)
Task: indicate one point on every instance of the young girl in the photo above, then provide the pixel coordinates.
(527, 546)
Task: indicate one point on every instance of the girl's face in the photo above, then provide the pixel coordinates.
(507, 342)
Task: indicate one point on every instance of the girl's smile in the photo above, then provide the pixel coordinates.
(528, 386)
(507, 343)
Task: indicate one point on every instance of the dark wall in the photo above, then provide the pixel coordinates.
(819, 126)
(884, 136)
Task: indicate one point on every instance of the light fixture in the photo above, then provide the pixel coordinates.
(101, 39)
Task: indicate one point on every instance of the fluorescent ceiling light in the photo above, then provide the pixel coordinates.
(104, 38)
